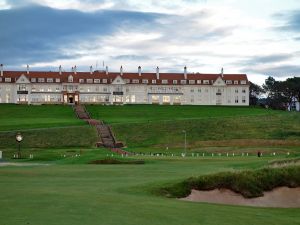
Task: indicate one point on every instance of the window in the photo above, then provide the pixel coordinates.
(199, 90)
(81, 81)
(104, 81)
(236, 91)
(166, 99)
(198, 81)
(236, 82)
(192, 90)
(191, 81)
(7, 79)
(49, 80)
(89, 81)
(206, 82)
(174, 81)
(164, 81)
(57, 89)
(57, 80)
(105, 89)
(135, 81)
(228, 81)
(244, 91)
(0, 79)
(145, 81)
(97, 81)
(33, 88)
(41, 80)
(243, 82)
(127, 81)
(33, 79)
(236, 99)
(49, 89)
(183, 81)
(243, 99)
(153, 81)
(70, 78)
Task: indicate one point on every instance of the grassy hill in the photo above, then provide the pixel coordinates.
(145, 126)
(44, 126)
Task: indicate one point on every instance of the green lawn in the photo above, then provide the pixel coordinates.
(44, 126)
(148, 126)
(123, 194)
(22, 117)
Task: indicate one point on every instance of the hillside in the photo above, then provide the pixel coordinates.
(144, 126)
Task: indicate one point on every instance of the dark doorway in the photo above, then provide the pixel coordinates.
(71, 99)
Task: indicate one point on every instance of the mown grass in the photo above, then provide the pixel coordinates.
(155, 113)
(148, 126)
(22, 117)
(122, 194)
(65, 137)
(250, 183)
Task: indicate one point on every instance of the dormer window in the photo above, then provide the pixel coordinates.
(174, 81)
(41, 80)
(81, 81)
(57, 80)
(191, 81)
(145, 81)
(49, 80)
(135, 81)
(206, 82)
(198, 81)
(228, 82)
(104, 81)
(89, 81)
(243, 82)
(164, 81)
(33, 79)
(97, 81)
(153, 81)
(236, 82)
(70, 79)
(183, 81)
(7, 79)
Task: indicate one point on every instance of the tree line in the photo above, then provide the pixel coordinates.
(277, 94)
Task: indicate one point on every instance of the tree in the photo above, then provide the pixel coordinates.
(255, 92)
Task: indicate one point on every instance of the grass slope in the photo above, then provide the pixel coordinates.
(145, 126)
(121, 194)
(23, 117)
(45, 126)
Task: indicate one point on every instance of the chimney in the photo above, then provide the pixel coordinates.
(60, 70)
(185, 73)
(27, 69)
(1, 70)
(140, 71)
(106, 70)
(75, 69)
(222, 72)
(121, 70)
(91, 69)
(157, 73)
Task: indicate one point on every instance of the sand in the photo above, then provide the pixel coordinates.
(282, 197)
(21, 164)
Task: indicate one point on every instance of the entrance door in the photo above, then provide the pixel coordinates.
(71, 99)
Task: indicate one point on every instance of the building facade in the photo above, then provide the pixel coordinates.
(104, 87)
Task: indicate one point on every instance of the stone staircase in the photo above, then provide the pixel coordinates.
(106, 137)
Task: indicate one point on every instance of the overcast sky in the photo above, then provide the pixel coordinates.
(257, 37)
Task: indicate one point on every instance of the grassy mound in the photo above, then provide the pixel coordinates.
(248, 183)
(145, 126)
(22, 117)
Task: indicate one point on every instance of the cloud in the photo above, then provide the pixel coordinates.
(37, 34)
(290, 21)
(268, 59)
(277, 71)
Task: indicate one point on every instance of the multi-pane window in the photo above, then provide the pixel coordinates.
(33, 79)
(164, 81)
(57, 80)
(89, 81)
(145, 81)
(191, 81)
(243, 99)
(183, 81)
(153, 81)
(236, 82)
(228, 81)
(97, 81)
(49, 80)
(104, 81)
(206, 82)
(198, 81)
(41, 80)
(7, 79)
(174, 81)
(135, 81)
(243, 82)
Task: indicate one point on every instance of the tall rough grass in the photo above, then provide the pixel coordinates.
(248, 183)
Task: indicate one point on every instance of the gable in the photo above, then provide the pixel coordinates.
(22, 80)
(118, 80)
(219, 82)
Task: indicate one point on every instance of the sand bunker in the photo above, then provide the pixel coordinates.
(282, 197)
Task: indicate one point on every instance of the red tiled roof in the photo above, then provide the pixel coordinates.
(112, 75)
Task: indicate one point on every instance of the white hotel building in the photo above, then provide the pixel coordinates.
(104, 87)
